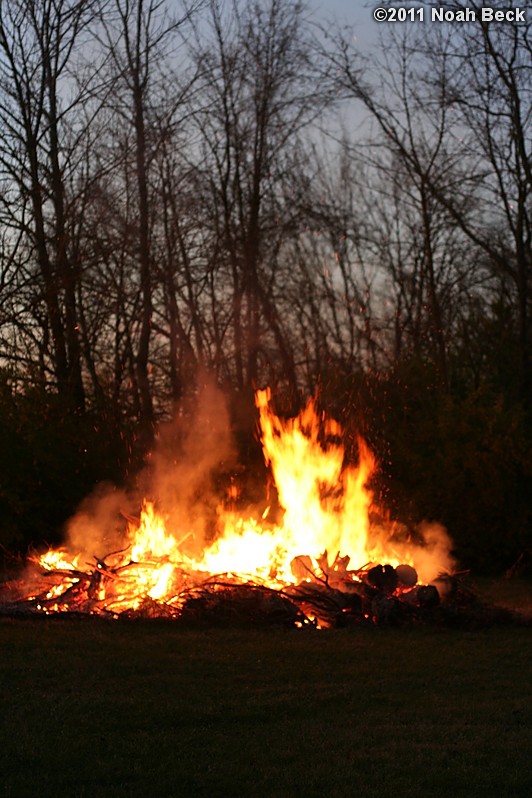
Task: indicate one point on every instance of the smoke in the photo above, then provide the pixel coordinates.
(427, 547)
(98, 527)
(434, 556)
(180, 477)
(188, 464)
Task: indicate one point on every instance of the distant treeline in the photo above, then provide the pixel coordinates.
(179, 196)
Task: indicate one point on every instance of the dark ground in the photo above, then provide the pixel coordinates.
(96, 708)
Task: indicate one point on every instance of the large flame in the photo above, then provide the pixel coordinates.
(325, 527)
(326, 505)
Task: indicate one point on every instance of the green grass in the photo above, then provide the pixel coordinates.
(113, 709)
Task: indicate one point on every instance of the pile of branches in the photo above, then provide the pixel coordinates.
(332, 598)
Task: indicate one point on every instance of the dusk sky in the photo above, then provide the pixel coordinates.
(349, 12)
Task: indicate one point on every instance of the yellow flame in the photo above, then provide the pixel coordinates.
(59, 559)
(150, 539)
(326, 506)
(163, 578)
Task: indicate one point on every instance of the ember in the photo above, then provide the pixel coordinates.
(325, 564)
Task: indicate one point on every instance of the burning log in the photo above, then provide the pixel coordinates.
(383, 577)
(425, 596)
(406, 576)
(324, 605)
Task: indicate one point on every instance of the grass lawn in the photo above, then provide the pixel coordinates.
(94, 708)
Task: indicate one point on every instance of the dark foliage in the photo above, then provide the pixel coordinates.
(50, 459)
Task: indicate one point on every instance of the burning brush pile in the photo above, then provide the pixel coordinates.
(326, 563)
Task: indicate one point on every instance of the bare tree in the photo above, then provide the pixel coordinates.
(38, 39)
(413, 156)
(453, 113)
(330, 276)
(139, 39)
(490, 91)
(259, 95)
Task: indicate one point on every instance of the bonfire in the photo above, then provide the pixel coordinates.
(330, 560)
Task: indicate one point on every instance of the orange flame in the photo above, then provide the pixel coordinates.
(326, 522)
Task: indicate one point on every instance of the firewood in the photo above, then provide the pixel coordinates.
(406, 575)
(428, 596)
(378, 594)
(383, 577)
(388, 610)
